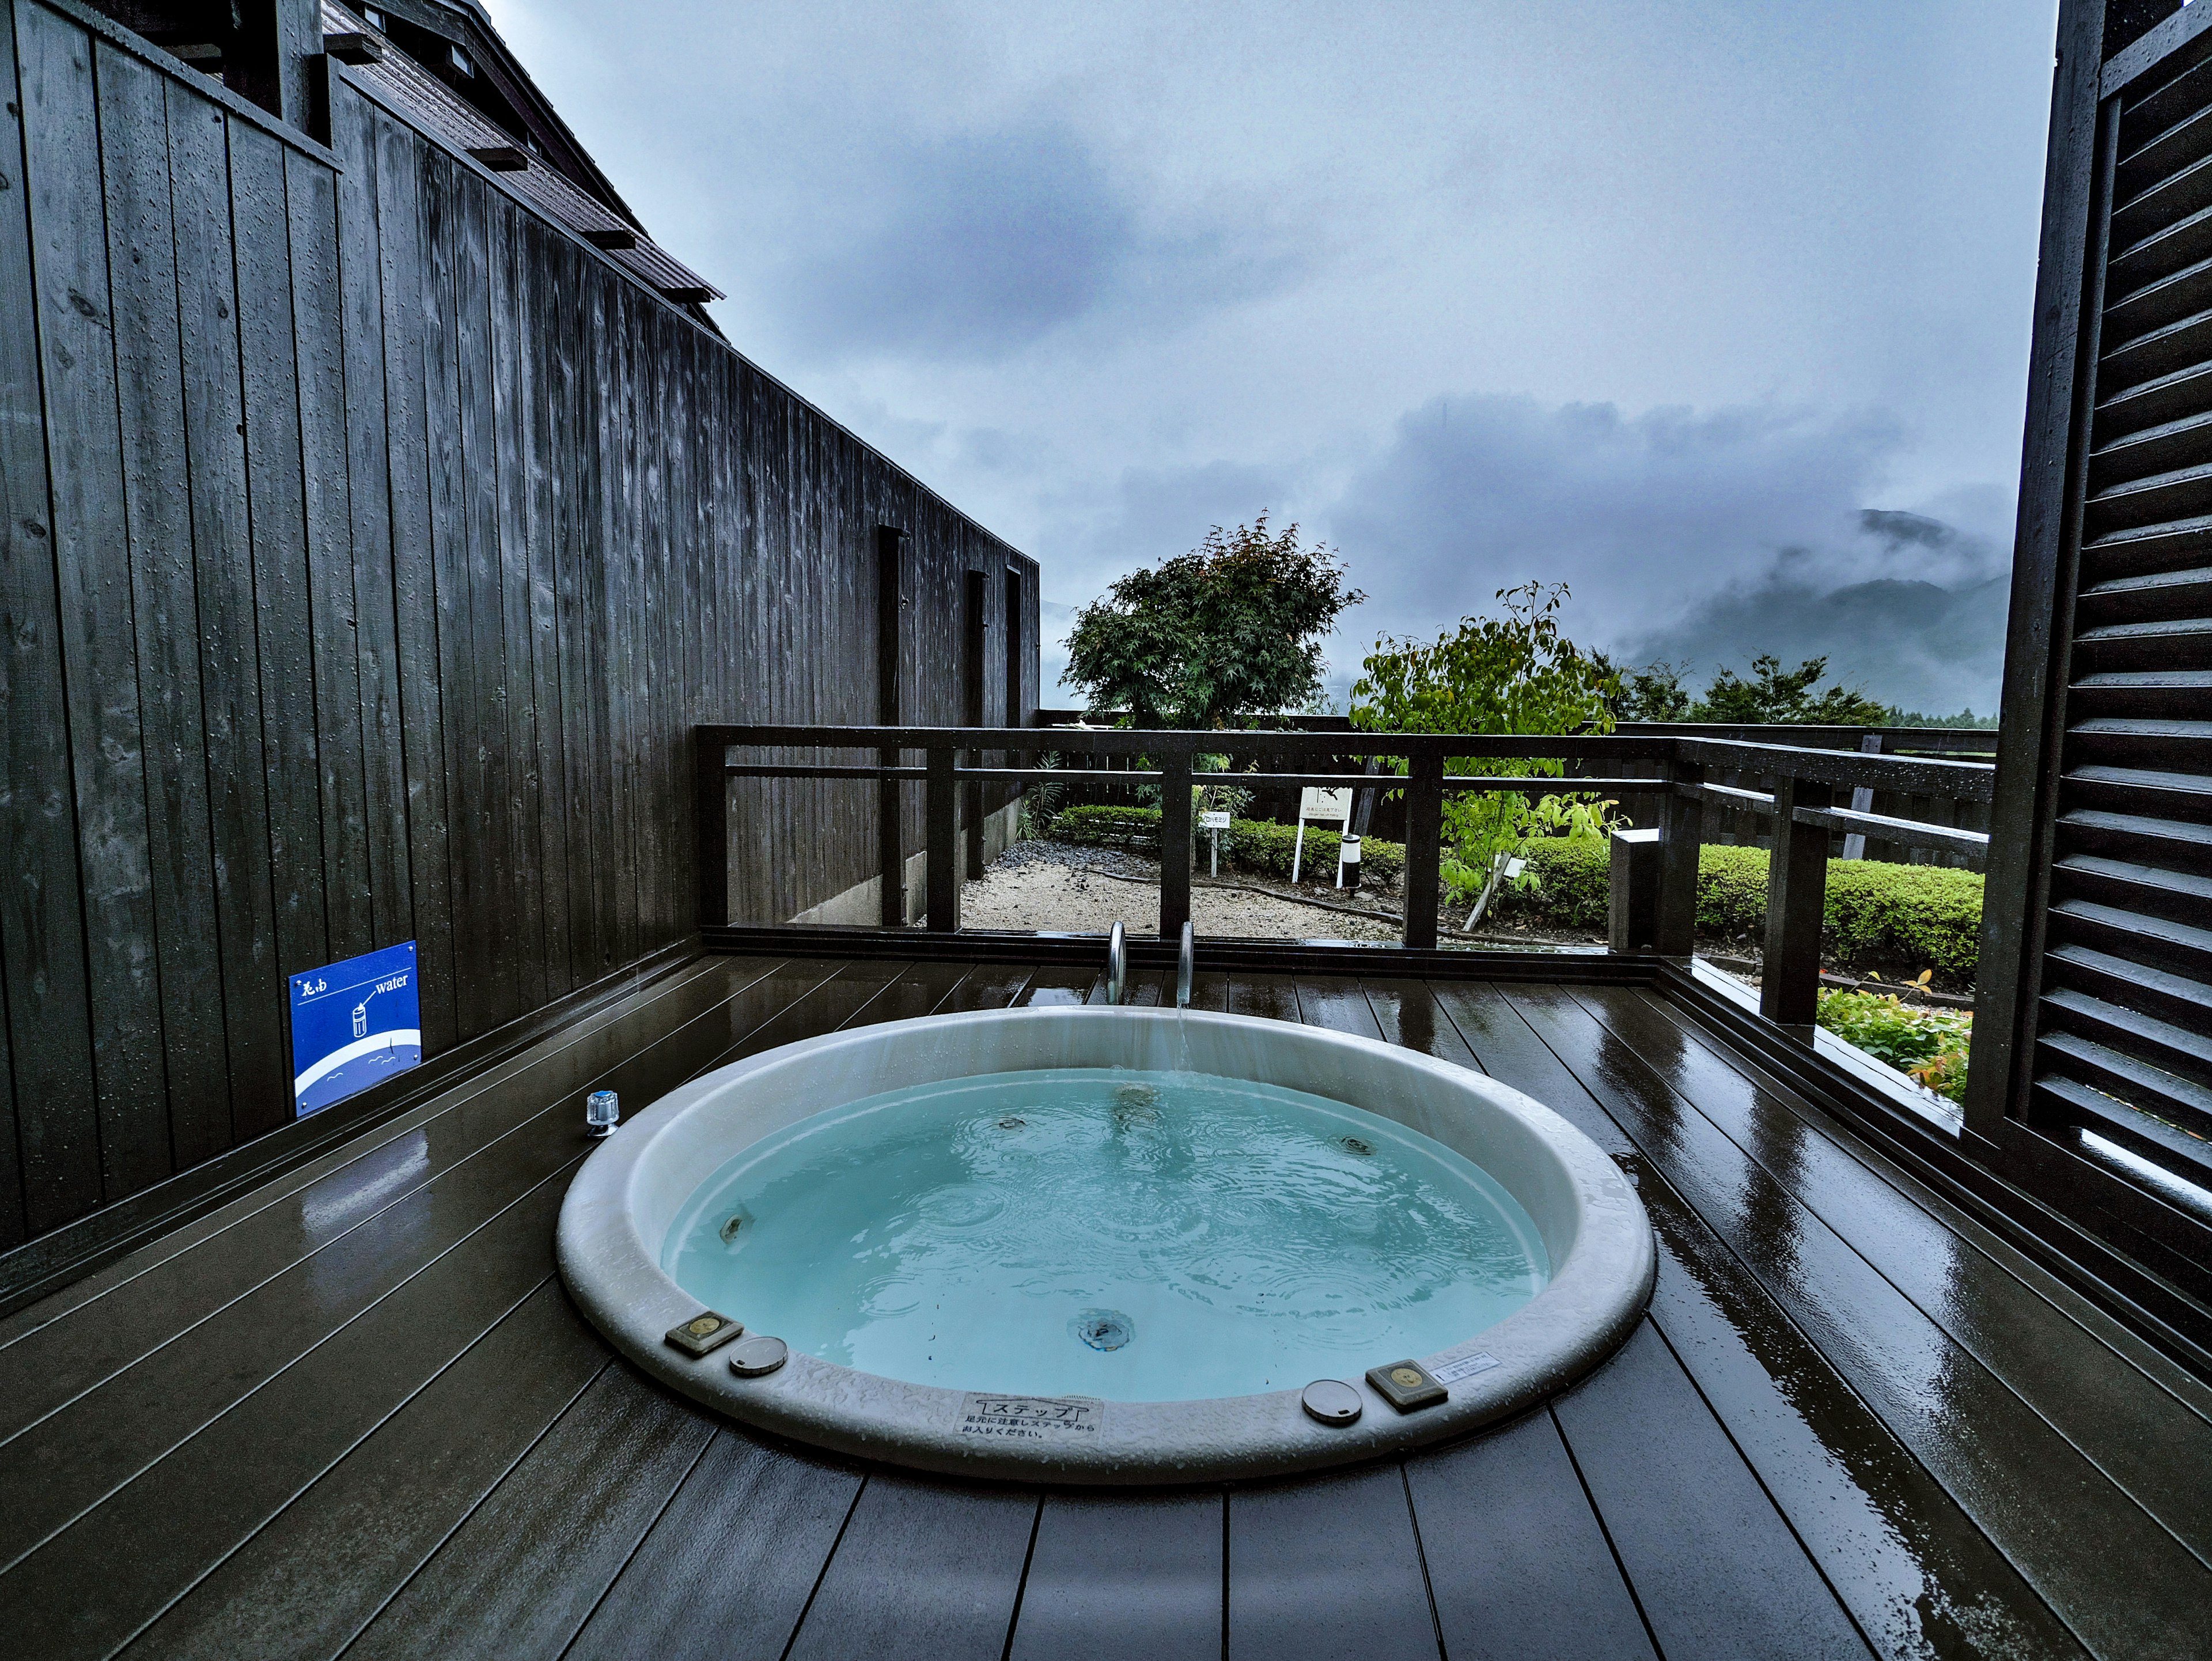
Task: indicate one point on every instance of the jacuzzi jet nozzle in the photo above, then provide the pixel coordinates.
(1104, 1329)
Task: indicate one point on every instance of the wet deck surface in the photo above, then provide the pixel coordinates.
(354, 1413)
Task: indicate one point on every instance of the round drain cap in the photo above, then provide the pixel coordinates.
(1331, 1401)
(753, 1357)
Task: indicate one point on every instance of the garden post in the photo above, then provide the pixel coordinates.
(1425, 829)
(1796, 884)
(1175, 842)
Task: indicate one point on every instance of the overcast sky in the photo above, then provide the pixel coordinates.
(1655, 297)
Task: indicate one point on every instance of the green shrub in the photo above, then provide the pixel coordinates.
(1573, 883)
(1932, 1045)
(1254, 846)
(1908, 916)
(1905, 917)
(1732, 890)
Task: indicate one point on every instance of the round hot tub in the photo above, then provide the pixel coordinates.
(1106, 1245)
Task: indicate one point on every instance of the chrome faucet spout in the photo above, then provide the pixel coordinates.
(1117, 964)
(1185, 963)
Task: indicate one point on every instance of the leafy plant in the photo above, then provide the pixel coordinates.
(1231, 628)
(1517, 673)
(1040, 802)
(1932, 1046)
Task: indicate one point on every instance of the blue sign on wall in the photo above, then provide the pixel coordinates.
(353, 1023)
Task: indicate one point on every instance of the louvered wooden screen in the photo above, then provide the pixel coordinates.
(2122, 1022)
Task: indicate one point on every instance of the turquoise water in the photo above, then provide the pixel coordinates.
(1131, 1236)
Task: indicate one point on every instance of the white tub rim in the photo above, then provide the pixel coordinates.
(621, 1203)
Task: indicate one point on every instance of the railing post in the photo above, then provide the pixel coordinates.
(711, 808)
(1425, 829)
(1796, 886)
(942, 811)
(1175, 843)
(1676, 930)
(1632, 909)
(890, 843)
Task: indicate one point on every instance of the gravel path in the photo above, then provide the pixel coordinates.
(1086, 891)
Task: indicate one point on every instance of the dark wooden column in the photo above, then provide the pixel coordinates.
(711, 802)
(1796, 886)
(1684, 822)
(890, 628)
(1425, 818)
(941, 810)
(1174, 845)
(974, 647)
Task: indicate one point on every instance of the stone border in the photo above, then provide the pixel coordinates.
(1593, 1226)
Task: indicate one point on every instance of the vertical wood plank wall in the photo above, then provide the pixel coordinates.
(368, 546)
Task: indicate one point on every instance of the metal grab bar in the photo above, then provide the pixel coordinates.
(1186, 962)
(1117, 964)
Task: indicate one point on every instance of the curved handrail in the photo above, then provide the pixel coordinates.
(1117, 964)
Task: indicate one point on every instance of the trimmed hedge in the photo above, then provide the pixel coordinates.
(1878, 915)
(1256, 846)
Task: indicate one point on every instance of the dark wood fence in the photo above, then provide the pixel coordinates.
(1805, 802)
(369, 547)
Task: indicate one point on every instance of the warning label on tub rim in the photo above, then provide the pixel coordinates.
(1030, 1418)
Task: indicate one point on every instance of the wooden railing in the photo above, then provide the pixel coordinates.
(1654, 870)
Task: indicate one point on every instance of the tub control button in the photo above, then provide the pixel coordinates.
(1406, 1385)
(704, 1332)
(759, 1355)
(1332, 1401)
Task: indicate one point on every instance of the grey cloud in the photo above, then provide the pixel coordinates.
(1915, 643)
(976, 244)
(1641, 516)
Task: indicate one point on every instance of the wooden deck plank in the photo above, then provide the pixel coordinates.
(1405, 1012)
(2026, 1487)
(1715, 1568)
(1914, 1570)
(1114, 1576)
(308, 1582)
(1054, 987)
(725, 1573)
(119, 1564)
(75, 1454)
(1511, 1543)
(924, 1569)
(1916, 1573)
(1327, 1569)
(2148, 1438)
(191, 1236)
(46, 1365)
(1338, 1002)
(2194, 1393)
(1269, 997)
(988, 986)
(916, 991)
(531, 1562)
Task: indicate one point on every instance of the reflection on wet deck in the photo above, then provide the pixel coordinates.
(355, 1413)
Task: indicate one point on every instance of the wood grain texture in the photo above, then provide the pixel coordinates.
(727, 1569)
(1115, 1575)
(924, 1569)
(1327, 1569)
(371, 548)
